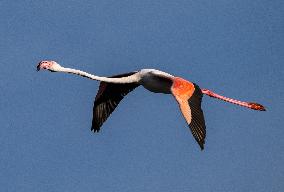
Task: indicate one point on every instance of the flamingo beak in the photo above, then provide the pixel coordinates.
(38, 67)
(43, 65)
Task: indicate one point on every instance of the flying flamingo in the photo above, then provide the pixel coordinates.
(113, 89)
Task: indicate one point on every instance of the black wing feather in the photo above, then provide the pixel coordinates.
(107, 99)
(197, 124)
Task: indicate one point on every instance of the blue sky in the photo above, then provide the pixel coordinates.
(232, 47)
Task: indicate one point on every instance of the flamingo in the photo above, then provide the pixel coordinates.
(113, 89)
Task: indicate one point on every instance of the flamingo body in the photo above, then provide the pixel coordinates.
(113, 89)
(156, 81)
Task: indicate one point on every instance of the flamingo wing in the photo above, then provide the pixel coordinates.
(189, 97)
(107, 99)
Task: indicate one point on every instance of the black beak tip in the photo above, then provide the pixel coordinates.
(38, 66)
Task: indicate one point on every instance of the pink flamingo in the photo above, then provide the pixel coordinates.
(113, 89)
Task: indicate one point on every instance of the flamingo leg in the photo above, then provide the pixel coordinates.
(251, 105)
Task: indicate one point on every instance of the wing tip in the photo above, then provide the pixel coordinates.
(94, 129)
(201, 145)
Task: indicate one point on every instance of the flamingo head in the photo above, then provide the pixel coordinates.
(49, 65)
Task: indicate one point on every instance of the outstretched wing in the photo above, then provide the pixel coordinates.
(197, 123)
(189, 97)
(107, 99)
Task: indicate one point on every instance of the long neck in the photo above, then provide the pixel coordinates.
(250, 105)
(129, 79)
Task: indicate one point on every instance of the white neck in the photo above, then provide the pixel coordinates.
(129, 79)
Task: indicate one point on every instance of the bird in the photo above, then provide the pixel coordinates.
(114, 88)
